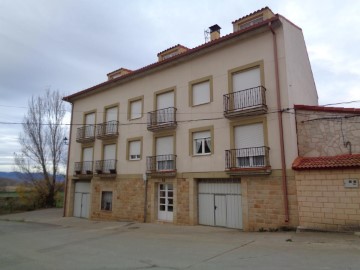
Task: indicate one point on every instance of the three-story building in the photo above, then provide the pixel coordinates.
(203, 136)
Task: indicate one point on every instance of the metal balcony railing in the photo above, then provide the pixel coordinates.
(244, 102)
(85, 133)
(244, 158)
(108, 129)
(83, 168)
(162, 119)
(106, 166)
(161, 163)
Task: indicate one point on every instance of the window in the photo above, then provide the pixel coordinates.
(135, 108)
(200, 91)
(135, 150)
(249, 144)
(202, 143)
(106, 200)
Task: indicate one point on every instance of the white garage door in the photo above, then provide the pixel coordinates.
(82, 199)
(220, 203)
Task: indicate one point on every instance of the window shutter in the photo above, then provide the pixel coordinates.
(165, 145)
(201, 93)
(165, 100)
(201, 135)
(109, 151)
(90, 119)
(246, 79)
(134, 148)
(88, 154)
(135, 109)
(249, 136)
(111, 114)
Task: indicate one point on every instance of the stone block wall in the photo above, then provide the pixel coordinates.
(324, 202)
(128, 199)
(182, 203)
(263, 202)
(326, 133)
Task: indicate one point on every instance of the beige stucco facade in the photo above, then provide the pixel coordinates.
(262, 195)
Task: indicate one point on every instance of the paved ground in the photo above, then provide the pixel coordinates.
(44, 240)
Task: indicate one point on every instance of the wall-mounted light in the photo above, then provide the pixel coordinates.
(66, 141)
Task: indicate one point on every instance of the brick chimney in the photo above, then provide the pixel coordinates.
(214, 32)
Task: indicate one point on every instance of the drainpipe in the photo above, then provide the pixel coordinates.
(281, 127)
(145, 196)
(68, 160)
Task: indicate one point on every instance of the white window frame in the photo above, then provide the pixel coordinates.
(198, 88)
(136, 156)
(202, 138)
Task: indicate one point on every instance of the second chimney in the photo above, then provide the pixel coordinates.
(214, 32)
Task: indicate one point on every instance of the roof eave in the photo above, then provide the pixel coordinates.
(182, 57)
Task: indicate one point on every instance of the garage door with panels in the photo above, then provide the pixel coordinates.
(219, 203)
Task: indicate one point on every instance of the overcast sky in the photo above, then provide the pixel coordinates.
(70, 45)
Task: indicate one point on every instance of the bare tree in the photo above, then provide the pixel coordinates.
(42, 147)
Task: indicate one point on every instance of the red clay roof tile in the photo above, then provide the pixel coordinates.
(326, 109)
(330, 162)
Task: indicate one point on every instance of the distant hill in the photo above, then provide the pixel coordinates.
(19, 177)
(7, 182)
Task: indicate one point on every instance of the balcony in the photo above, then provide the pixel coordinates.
(83, 169)
(247, 161)
(85, 134)
(106, 167)
(161, 166)
(246, 102)
(107, 130)
(162, 119)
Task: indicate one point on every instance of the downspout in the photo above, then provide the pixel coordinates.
(145, 197)
(281, 127)
(68, 160)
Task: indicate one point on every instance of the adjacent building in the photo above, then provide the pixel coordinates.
(205, 135)
(327, 171)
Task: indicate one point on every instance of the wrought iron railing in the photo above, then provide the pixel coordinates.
(106, 166)
(245, 99)
(163, 118)
(107, 129)
(161, 163)
(85, 133)
(84, 167)
(252, 157)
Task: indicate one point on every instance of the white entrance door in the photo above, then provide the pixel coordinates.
(165, 202)
(82, 199)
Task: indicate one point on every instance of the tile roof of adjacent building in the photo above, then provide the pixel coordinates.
(174, 58)
(330, 162)
(326, 109)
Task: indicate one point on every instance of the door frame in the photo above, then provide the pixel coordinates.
(167, 216)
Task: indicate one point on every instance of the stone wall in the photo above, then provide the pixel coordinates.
(263, 202)
(182, 203)
(326, 133)
(128, 199)
(324, 202)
